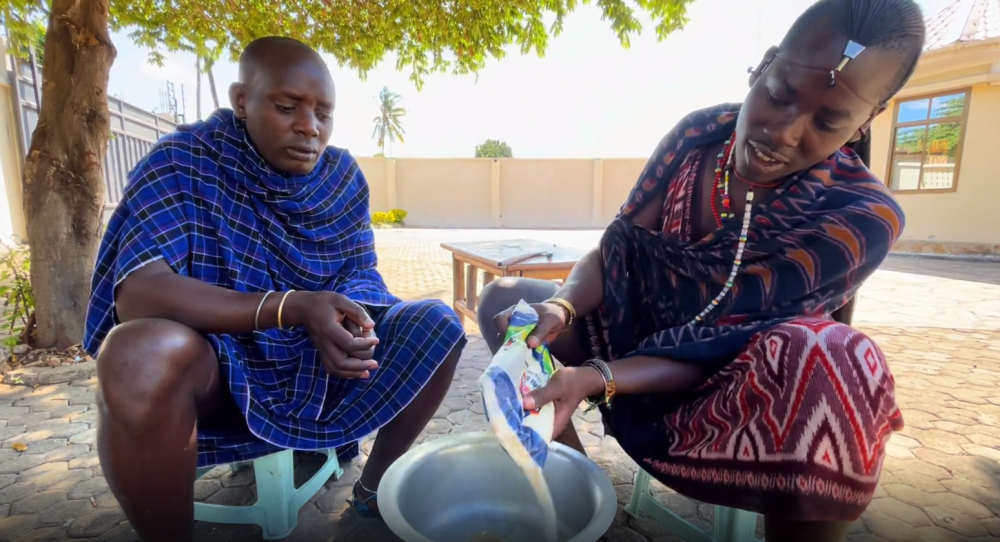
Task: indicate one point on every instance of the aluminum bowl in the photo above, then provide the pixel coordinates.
(456, 487)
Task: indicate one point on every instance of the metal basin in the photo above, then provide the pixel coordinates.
(456, 487)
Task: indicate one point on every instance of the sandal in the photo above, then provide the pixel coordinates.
(362, 506)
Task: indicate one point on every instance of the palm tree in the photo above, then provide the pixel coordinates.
(388, 123)
(204, 68)
(211, 84)
(197, 88)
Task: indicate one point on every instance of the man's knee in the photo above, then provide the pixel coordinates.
(144, 365)
(439, 310)
(451, 362)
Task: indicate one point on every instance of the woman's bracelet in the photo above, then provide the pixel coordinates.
(609, 383)
(566, 306)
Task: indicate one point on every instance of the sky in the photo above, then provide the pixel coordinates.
(587, 98)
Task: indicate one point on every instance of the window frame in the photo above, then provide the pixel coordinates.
(962, 119)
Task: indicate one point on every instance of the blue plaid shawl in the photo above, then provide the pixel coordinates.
(204, 201)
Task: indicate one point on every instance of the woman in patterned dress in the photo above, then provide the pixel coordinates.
(708, 302)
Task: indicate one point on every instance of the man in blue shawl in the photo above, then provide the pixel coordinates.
(237, 310)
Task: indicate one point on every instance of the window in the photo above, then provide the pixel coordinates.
(927, 142)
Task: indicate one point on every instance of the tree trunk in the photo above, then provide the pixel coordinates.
(64, 192)
(211, 86)
(197, 87)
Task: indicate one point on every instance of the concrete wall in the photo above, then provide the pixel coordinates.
(968, 213)
(587, 193)
(502, 193)
(436, 193)
(12, 223)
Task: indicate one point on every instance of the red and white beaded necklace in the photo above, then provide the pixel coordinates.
(720, 191)
(720, 195)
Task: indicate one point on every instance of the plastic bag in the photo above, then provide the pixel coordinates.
(515, 371)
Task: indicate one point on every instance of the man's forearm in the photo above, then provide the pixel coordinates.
(584, 287)
(155, 291)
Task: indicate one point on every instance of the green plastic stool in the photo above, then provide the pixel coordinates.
(278, 502)
(728, 525)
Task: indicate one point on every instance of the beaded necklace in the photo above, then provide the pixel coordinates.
(721, 188)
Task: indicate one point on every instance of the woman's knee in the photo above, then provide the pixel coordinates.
(505, 292)
(145, 365)
(850, 353)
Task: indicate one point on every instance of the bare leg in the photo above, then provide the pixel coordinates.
(156, 379)
(784, 530)
(397, 436)
(569, 437)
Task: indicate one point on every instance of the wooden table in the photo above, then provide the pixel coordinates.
(504, 258)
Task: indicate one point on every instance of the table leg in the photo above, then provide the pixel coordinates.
(458, 288)
(471, 281)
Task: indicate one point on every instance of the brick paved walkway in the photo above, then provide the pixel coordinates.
(938, 321)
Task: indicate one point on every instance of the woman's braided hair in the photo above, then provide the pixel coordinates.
(895, 26)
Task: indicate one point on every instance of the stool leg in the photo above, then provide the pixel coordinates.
(639, 490)
(732, 525)
(275, 491)
(642, 502)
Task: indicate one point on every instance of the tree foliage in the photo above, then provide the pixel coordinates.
(426, 36)
(36, 39)
(25, 21)
(492, 148)
(63, 179)
(389, 121)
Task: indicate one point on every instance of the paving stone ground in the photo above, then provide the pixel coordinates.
(937, 320)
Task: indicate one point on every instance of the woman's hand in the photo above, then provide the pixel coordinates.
(567, 388)
(327, 317)
(551, 323)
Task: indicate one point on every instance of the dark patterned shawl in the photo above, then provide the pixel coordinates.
(811, 244)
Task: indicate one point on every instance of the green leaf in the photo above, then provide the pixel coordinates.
(426, 37)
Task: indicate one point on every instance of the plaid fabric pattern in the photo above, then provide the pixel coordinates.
(205, 201)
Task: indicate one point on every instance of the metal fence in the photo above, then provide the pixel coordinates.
(133, 130)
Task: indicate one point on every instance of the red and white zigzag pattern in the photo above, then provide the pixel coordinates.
(807, 408)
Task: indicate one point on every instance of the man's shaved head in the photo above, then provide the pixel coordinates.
(285, 96)
(275, 53)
